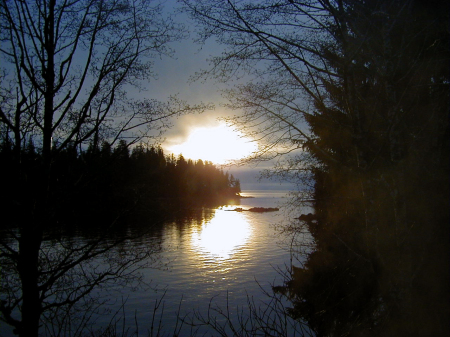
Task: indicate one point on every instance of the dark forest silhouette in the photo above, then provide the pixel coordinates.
(361, 88)
(107, 191)
(68, 71)
(98, 185)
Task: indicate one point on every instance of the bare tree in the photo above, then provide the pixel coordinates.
(356, 92)
(67, 68)
(284, 57)
(272, 47)
(68, 72)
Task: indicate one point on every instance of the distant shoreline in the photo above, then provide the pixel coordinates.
(255, 209)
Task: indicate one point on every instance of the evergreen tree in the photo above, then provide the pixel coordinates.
(355, 94)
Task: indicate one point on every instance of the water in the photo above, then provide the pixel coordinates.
(230, 257)
(216, 256)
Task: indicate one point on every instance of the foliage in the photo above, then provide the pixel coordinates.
(146, 180)
(381, 197)
(355, 93)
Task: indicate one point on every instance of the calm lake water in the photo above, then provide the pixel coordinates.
(212, 256)
(227, 254)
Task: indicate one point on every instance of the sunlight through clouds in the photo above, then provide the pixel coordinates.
(216, 144)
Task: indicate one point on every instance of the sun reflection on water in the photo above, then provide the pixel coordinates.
(222, 237)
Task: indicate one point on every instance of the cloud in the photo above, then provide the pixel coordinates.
(184, 125)
(218, 143)
(173, 78)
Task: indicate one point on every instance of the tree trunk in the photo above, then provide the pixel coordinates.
(49, 77)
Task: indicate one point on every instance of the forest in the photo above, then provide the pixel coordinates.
(355, 95)
(104, 184)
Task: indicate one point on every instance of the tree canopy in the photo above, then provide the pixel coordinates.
(354, 96)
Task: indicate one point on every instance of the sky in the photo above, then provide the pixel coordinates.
(173, 78)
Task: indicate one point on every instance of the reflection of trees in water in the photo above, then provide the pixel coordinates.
(193, 216)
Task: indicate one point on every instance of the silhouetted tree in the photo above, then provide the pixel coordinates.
(66, 70)
(235, 184)
(354, 93)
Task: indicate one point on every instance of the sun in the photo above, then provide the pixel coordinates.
(219, 144)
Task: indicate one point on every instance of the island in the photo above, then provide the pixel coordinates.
(255, 209)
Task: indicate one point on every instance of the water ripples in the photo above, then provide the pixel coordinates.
(227, 256)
